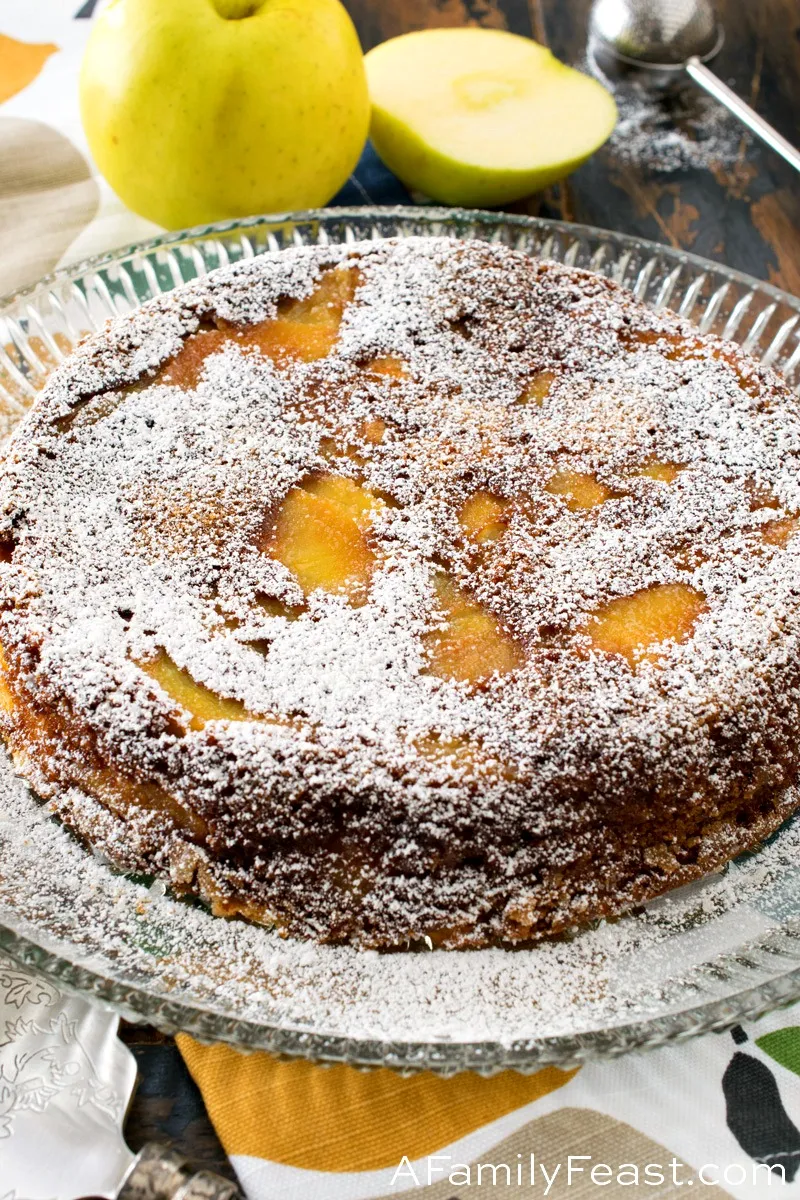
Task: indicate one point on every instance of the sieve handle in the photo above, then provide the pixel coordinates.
(747, 115)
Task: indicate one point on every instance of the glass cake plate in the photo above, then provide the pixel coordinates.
(702, 958)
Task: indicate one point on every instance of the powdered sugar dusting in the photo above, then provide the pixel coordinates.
(136, 514)
(177, 963)
(678, 130)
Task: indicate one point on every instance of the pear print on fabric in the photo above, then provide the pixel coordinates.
(20, 63)
(755, 1113)
(548, 1142)
(47, 197)
(784, 1046)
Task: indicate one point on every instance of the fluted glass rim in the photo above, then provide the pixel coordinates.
(759, 315)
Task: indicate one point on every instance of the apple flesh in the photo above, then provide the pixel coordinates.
(198, 110)
(479, 116)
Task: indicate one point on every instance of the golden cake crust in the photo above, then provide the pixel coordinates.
(411, 589)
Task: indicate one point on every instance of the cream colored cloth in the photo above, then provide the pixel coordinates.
(54, 208)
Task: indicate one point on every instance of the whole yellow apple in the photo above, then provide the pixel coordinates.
(480, 116)
(198, 110)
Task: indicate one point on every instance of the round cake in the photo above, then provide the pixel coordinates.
(406, 591)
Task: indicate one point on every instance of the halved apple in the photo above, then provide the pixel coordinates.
(480, 116)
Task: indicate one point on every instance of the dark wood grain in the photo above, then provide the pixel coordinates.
(167, 1106)
(747, 215)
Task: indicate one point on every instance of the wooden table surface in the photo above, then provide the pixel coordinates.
(744, 212)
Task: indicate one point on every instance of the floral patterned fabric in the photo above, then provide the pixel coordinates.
(61, 1067)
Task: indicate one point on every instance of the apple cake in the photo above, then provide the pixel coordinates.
(410, 591)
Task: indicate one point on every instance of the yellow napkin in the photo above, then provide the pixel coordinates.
(340, 1119)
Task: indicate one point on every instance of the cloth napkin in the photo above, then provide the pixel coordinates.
(63, 1069)
(714, 1114)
